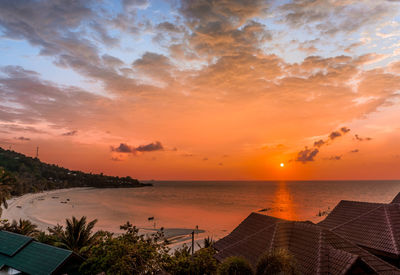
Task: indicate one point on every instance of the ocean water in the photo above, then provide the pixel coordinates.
(214, 206)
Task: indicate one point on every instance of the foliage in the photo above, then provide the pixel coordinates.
(76, 236)
(7, 182)
(235, 266)
(207, 242)
(23, 227)
(21, 174)
(129, 253)
(276, 262)
(182, 262)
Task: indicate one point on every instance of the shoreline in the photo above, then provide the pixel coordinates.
(18, 206)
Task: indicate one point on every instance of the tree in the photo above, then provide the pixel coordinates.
(276, 262)
(76, 236)
(129, 253)
(235, 266)
(23, 227)
(7, 181)
(182, 262)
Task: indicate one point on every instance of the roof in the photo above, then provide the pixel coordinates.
(33, 257)
(374, 226)
(11, 243)
(396, 199)
(316, 250)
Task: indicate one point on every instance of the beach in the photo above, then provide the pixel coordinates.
(26, 207)
(215, 208)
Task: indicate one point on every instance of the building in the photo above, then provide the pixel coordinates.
(372, 226)
(316, 249)
(20, 254)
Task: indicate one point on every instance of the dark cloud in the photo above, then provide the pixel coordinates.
(335, 158)
(362, 138)
(156, 146)
(122, 148)
(125, 148)
(42, 101)
(307, 155)
(319, 143)
(344, 130)
(23, 138)
(333, 17)
(334, 135)
(70, 133)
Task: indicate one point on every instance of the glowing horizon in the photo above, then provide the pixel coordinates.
(196, 89)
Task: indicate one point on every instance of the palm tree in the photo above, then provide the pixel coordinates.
(24, 227)
(7, 180)
(77, 234)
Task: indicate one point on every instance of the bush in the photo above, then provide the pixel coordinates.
(276, 262)
(235, 266)
(182, 262)
(129, 253)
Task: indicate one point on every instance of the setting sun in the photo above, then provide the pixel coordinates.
(282, 164)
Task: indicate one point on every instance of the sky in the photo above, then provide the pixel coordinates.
(204, 89)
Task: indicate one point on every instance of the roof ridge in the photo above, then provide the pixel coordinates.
(271, 245)
(249, 236)
(389, 221)
(356, 218)
(365, 202)
(363, 250)
(319, 260)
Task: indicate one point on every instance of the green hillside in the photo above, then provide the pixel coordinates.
(32, 175)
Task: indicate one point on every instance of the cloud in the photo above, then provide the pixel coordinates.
(34, 101)
(22, 138)
(333, 17)
(335, 158)
(362, 138)
(307, 155)
(355, 151)
(334, 135)
(156, 146)
(70, 133)
(344, 130)
(319, 143)
(125, 148)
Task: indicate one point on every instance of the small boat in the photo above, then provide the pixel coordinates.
(19, 206)
(150, 218)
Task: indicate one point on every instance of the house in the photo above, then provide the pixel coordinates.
(373, 226)
(20, 254)
(316, 249)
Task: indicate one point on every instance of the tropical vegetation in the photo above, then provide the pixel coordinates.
(20, 174)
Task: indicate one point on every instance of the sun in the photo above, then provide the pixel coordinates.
(282, 164)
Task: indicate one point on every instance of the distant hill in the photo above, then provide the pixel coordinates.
(32, 175)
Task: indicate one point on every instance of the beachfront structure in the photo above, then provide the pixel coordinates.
(316, 249)
(20, 254)
(372, 226)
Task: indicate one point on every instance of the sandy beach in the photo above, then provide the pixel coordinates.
(30, 207)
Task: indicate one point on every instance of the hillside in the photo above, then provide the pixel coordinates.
(32, 175)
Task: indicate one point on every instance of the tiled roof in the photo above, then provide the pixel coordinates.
(396, 199)
(11, 243)
(374, 226)
(33, 257)
(315, 249)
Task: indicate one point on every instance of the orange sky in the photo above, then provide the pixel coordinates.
(205, 89)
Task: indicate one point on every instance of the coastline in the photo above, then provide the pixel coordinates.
(23, 207)
(17, 206)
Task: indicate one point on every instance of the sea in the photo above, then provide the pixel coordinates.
(216, 207)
